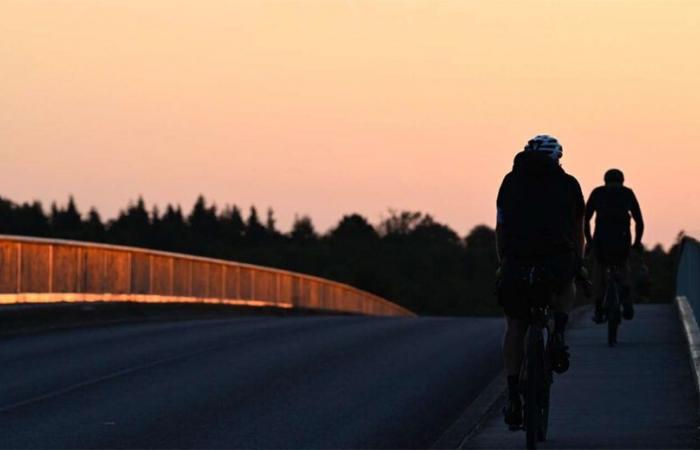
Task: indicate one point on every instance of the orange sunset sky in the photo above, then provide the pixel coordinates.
(336, 106)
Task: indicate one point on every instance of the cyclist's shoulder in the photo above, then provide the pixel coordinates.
(508, 180)
(612, 192)
(598, 191)
(571, 182)
(505, 191)
(624, 192)
(628, 191)
(563, 174)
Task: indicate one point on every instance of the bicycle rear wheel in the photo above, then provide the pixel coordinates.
(612, 331)
(533, 389)
(544, 412)
(613, 312)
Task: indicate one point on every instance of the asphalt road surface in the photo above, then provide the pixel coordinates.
(252, 382)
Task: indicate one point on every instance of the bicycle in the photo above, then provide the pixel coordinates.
(536, 376)
(612, 303)
(536, 285)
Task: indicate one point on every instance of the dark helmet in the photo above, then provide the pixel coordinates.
(614, 176)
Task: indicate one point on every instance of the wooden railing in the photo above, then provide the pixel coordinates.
(37, 270)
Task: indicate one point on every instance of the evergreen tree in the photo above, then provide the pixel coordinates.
(271, 222)
(93, 228)
(29, 219)
(66, 223)
(7, 217)
(255, 232)
(204, 228)
(232, 225)
(132, 227)
(174, 232)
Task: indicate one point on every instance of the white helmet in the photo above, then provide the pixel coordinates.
(547, 144)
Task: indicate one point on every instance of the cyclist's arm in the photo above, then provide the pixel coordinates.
(579, 241)
(638, 221)
(579, 231)
(500, 240)
(590, 210)
(579, 227)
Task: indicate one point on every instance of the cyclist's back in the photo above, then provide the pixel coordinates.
(614, 205)
(536, 200)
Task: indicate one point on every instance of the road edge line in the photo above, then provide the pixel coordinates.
(491, 398)
(692, 336)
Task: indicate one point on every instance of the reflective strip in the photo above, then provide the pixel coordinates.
(80, 297)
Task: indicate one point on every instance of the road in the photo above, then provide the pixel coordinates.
(253, 382)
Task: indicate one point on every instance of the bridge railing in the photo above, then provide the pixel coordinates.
(688, 301)
(37, 270)
(688, 277)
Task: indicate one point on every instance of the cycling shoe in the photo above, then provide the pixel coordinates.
(559, 353)
(513, 413)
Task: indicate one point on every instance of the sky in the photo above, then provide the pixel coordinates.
(329, 107)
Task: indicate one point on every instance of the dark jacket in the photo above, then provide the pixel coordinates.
(540, 209)
(613, 205)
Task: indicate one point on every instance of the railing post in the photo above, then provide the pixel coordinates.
(130, 286)
(252, 285)
(150, 274)
(19, 267)
(51, 268)
(172, 276)
(223, 280)
(189, 278)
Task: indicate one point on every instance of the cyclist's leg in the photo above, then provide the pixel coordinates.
(513, 352)
(562, 302)
(513, 344)
(626, 291)
(599, 273)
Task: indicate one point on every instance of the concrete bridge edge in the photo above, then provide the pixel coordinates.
(692, 335)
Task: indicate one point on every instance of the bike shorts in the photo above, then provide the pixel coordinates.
(562, 301)
(612, 252)
(515, 301)
(600, 269)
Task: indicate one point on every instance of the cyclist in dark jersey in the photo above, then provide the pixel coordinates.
(539, 221)
(613, 204)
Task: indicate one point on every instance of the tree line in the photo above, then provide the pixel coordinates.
(408, 257)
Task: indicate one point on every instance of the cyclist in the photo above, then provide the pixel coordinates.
(612, 204)
(539, 221)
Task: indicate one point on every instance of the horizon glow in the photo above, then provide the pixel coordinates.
(328, 108)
